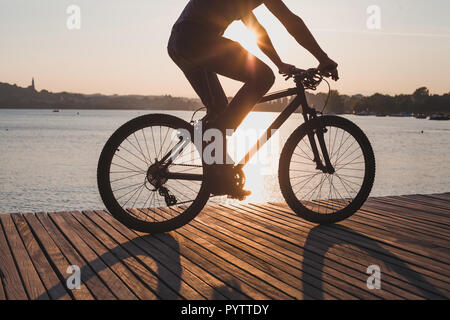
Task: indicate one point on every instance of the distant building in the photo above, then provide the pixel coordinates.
(32, 87)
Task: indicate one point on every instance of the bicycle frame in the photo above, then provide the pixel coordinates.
(309, 114)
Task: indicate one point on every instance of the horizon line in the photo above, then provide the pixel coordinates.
(197, 98)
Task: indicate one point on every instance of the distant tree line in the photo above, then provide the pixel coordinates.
(12, 96)
(421, 101)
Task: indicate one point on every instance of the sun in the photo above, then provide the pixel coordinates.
(238, 32)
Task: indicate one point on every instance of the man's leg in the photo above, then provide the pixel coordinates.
(206, 84)
(230, 59)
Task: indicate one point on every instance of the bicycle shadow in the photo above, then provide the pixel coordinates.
(123, 251)
(400, 267)
(169, 274)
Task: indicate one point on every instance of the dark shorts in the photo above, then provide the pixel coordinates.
(203, 54)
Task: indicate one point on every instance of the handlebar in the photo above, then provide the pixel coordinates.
(310, 79)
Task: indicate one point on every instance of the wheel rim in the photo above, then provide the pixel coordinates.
(324, 193)
(138, 183)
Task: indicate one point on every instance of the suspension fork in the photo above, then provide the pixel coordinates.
(310, 116)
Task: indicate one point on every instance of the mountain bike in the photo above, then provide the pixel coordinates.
(152, 176)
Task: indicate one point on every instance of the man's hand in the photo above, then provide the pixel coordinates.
(328, 68)
(286, 69)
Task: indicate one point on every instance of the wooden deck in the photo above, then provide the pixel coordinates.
(233, 252)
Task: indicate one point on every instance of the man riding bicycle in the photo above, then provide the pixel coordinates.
(198, 47)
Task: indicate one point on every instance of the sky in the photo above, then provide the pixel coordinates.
(120, 47)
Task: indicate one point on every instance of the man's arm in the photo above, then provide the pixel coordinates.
(298, 29)
(264, 42)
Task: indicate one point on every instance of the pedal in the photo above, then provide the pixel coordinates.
(240, 196)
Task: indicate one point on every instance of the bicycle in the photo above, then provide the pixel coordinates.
(152, 178)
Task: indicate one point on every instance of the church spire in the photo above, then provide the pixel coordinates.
(32, 84)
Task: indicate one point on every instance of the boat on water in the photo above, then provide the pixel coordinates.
(439, 117)
(56, 110)
(420, 116)
(401, 115)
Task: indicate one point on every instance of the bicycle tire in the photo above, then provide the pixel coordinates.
(304, 208)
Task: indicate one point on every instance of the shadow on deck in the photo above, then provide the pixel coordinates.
(254, 251)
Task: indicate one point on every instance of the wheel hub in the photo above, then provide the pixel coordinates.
(157, 175)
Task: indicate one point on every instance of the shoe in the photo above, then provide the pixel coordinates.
(223, 182)
(239, 194)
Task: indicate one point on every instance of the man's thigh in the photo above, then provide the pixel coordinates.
(228, 58)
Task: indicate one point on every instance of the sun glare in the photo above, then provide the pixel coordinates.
(238, 32)
(265, 163)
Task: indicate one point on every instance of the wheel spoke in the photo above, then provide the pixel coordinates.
(138, 189)
(325, 193)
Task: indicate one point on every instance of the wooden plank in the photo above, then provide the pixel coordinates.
(403, 230)
(388, 207)
(196, 255)
(233, 252)
(418, 208)
(393, 245)
(385, 227)
(414, 242)
(262, 258)
(192, 278)
(32, 283)
(2, 290)
(428, 201)
(54, 286)
(55, 257)
(271, 283)
(235, 277)
(167, 272)
(412, 271)
(130, 273)
(322, 259)
(101, 269)
(174, 259)
(445, 197)
(149, 271)
(425, 218)
(88, 276)
(380, 210)
(408, 256)
(318, 246)
(334, 277)
(394, 264)
(12, 283)
(382, 218)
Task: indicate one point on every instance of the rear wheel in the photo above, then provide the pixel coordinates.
(321, 197)
(143, 168)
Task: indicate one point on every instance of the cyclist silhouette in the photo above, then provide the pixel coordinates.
(198, 47)
(154, 179)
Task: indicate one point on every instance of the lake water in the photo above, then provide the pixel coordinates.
(48, 160)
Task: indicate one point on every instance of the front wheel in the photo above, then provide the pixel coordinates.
(322, 197)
